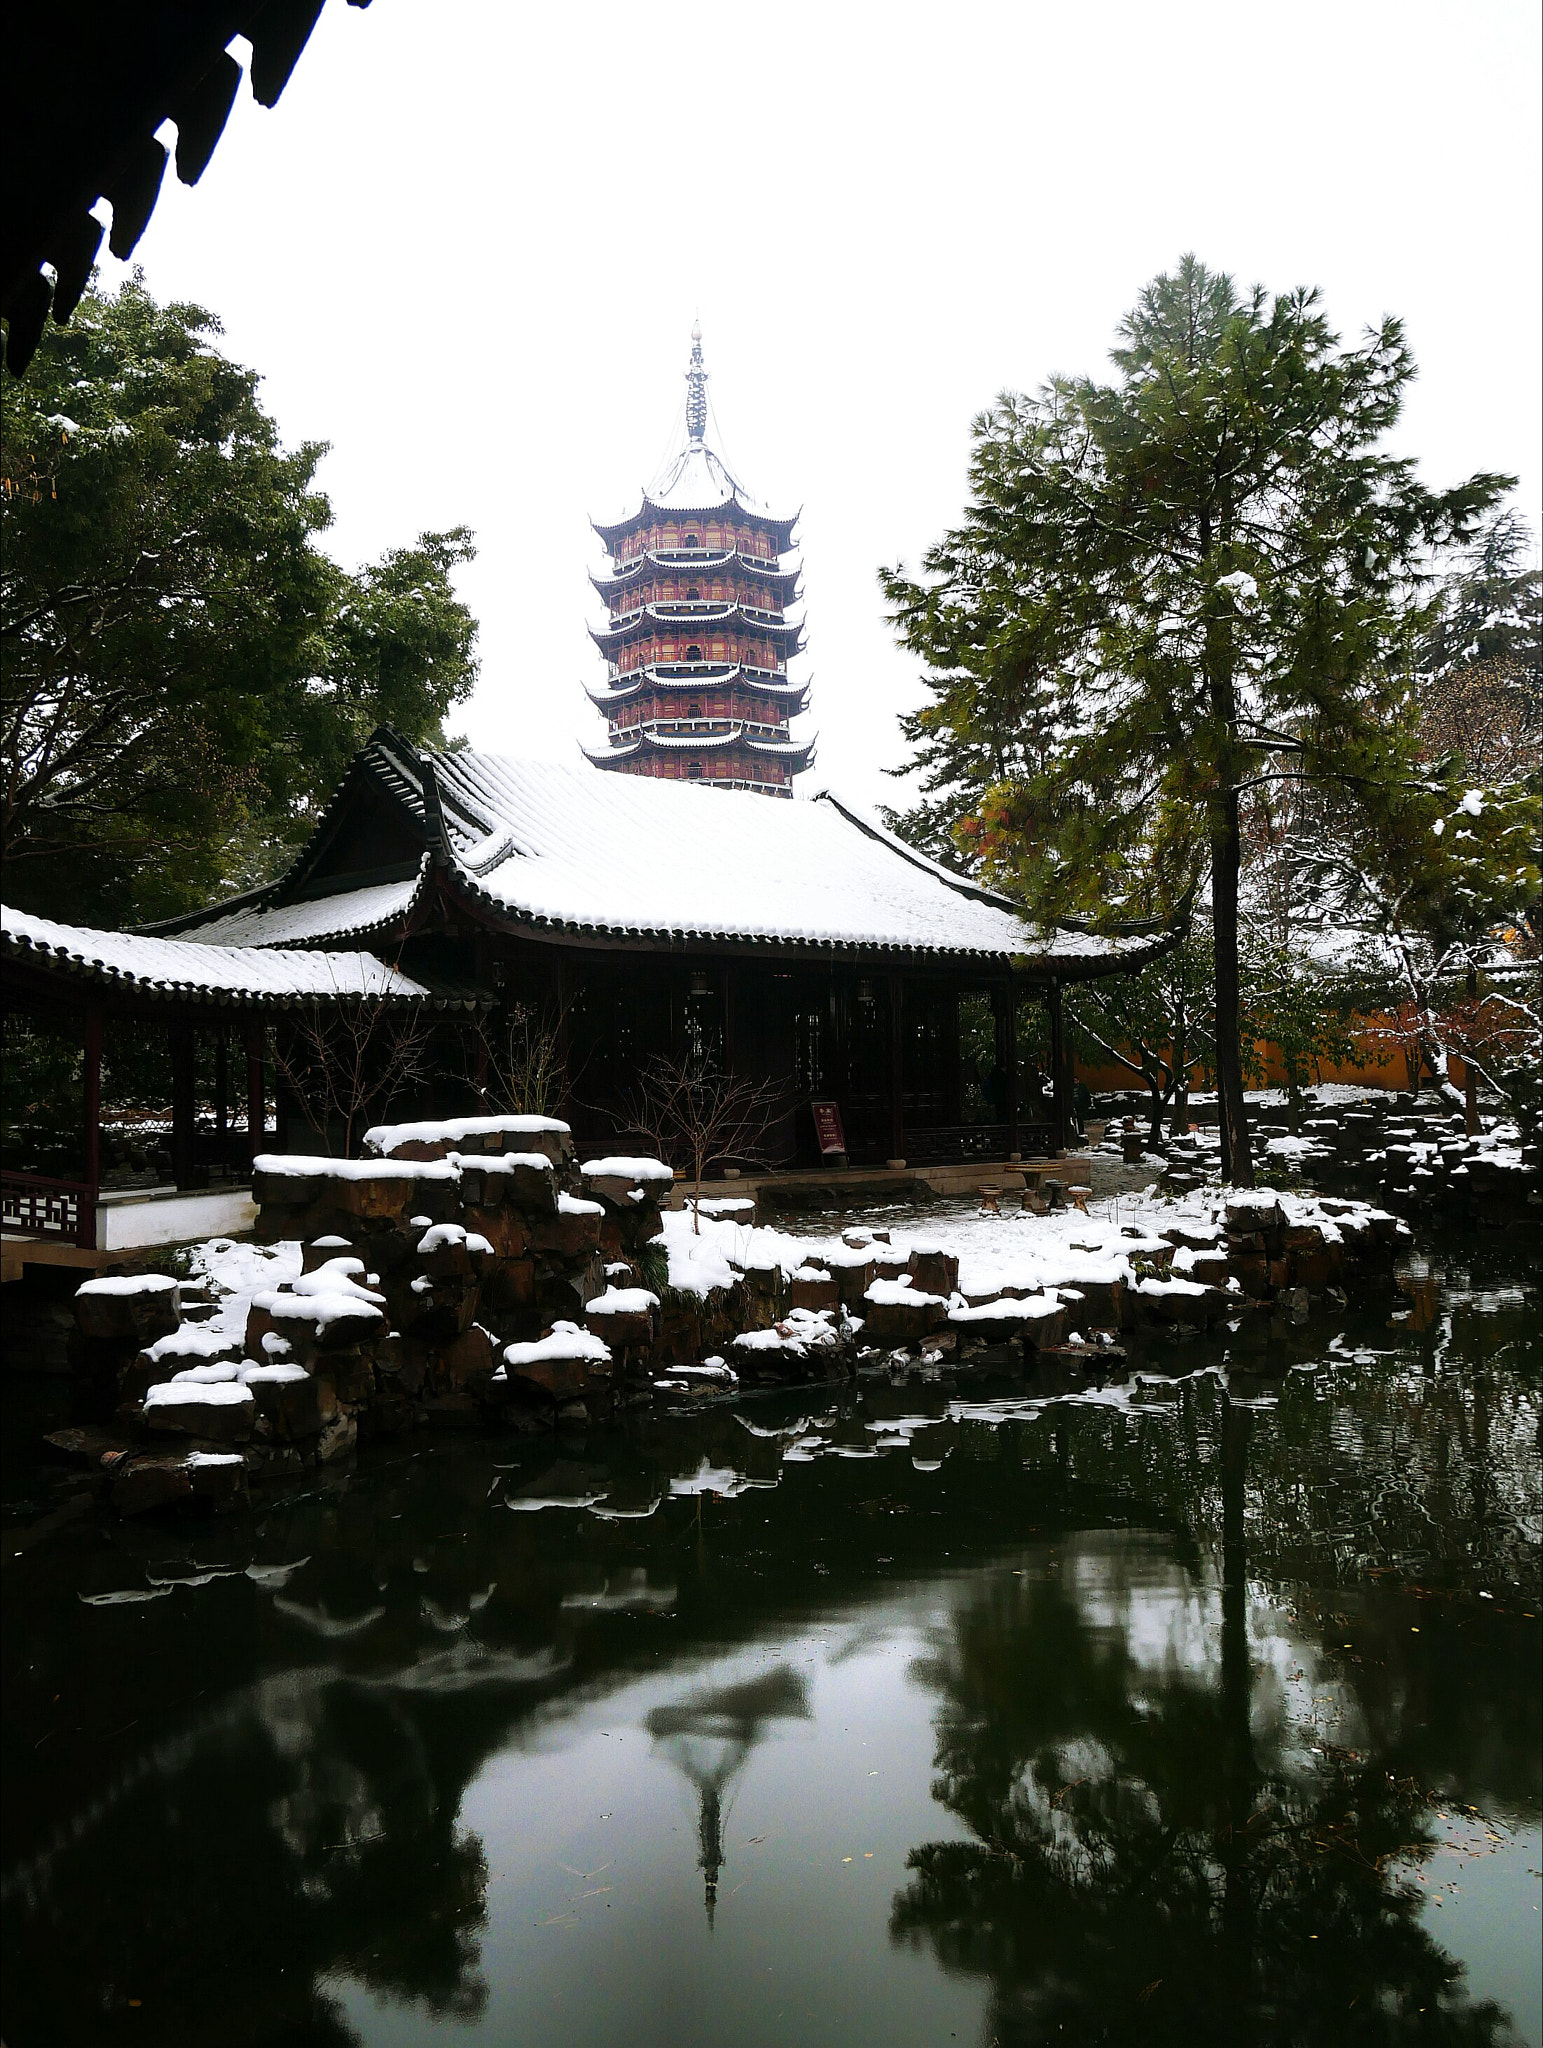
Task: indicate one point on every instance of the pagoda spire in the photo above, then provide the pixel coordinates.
(696, 389)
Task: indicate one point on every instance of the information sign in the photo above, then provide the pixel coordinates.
(827, 1129)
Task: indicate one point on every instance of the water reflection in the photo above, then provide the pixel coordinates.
(709, 1735)
(1162, 1846)
(1184, 1673)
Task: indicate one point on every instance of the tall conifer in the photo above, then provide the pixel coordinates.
(1168, 588)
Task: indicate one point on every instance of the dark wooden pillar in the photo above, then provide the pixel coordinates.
(563, 989)
(838, 1069)
(896, 1067)
(729, 984)
(1060, 1107)
(222, 1094)
(953, 1072)
(91, 1115)
(1009, 1058)
(182, 1089)
(256, 1106)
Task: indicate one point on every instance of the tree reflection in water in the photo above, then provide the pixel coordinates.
(709, 1736)
(233, 1806)
(1160, 1852)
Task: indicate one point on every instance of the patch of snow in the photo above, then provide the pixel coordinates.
(224, 1393)
(131, 1283)
(566, 1341)
(618, 1168)
(622, 1301)
(385, 1139)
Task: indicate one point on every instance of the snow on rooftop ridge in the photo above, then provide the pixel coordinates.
(181, 963)
(611, 853)
(347, 915)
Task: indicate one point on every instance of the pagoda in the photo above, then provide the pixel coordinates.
(697, 641)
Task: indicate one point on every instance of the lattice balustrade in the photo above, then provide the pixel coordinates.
(34, 1206)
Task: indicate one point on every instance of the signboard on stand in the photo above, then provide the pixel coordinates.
(828, 1133)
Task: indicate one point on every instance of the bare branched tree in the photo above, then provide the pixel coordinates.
(696, 1116)
(344, 1056)
(516, 1061)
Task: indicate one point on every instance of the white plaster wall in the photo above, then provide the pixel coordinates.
(174, 1219)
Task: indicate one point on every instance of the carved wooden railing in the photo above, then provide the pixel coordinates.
(36, 1205)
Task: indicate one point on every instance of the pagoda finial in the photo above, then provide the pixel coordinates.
(696, 388)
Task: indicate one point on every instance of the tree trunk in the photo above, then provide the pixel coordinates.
(1155, 1114)
(1226, 860)
(1178, 1122)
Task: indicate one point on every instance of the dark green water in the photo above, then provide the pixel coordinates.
(947, 1716)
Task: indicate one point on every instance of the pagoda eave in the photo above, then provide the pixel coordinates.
(612, 531)
(790, 694)
(701, 563)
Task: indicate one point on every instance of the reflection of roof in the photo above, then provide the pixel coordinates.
(183, 967)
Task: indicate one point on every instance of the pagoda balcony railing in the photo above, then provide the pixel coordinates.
(707, 554)
(703, 671)
(683, 728)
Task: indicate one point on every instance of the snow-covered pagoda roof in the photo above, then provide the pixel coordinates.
(556, 850)
(183, 968)
(649, 618)
(652, 561)
(697, 483)
(632, 681)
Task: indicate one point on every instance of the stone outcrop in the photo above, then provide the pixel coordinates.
(477, 1273)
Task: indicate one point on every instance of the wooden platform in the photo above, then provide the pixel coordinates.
(17, 1253)
(853, 1186)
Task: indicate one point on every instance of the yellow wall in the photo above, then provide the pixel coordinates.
(1378, 1063)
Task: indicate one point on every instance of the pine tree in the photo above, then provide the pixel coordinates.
(1173, 588)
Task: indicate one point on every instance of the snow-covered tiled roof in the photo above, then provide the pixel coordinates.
(351, 914)
(638, 857)
(696, 481)
(230, 973)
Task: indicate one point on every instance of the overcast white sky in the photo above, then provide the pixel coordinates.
(467, 247)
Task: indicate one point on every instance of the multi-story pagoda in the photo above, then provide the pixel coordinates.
(698, 639)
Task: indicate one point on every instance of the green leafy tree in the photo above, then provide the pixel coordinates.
(1155, 1025)
(1171, 588)
(185, 671)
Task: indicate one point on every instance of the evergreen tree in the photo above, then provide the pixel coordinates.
(1171, 588)
(185, 672)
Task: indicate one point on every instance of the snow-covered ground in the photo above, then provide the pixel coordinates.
(1014, 1250)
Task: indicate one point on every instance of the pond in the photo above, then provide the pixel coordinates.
(920, 1711)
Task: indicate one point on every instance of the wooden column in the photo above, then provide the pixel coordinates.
(896, 1068)
(256, 1107)
(182, 1084)
(1059, 1104)
(730, 1020)
(562, 996)
(222, 1094)
(1009, 1057)
(91, 1113)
